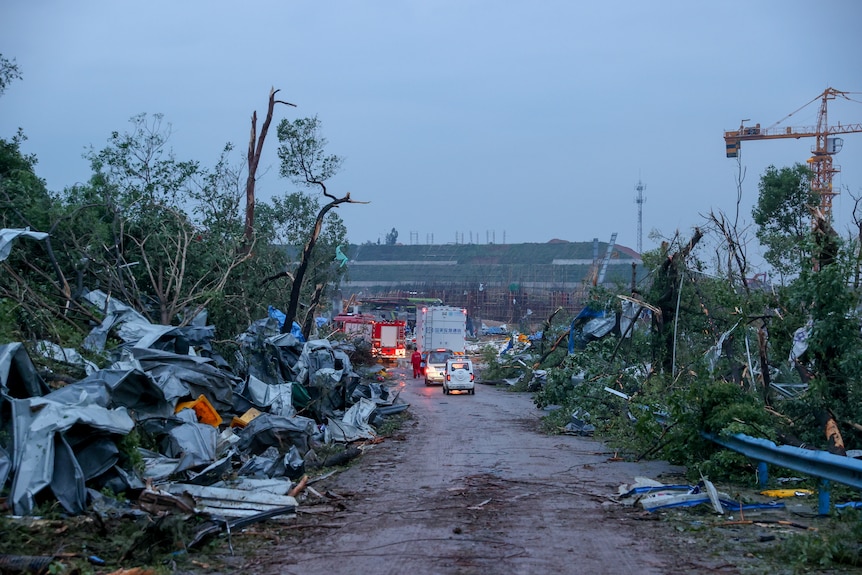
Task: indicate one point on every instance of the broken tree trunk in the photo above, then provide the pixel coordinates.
(835, 443)
(299, 276)
(308, 324)
(668, 280)
(255, 148)
(764, 363)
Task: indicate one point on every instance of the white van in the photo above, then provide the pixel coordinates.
(435, 365)
(459, 376)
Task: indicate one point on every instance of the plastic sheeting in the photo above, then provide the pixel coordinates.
(589, 325)
(713, 354)
(278, 315)
(800, 342)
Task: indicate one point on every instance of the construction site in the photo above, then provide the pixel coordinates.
(520, 284)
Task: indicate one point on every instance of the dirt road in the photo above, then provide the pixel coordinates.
(469, 485)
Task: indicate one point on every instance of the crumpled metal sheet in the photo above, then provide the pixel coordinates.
(8, 235)
(18, 375)
(132, 324)
(199, 376)
(277, 398)
(65, 355)
(316, 355)
(267, 430)
(354, 425)
(289, 464)
(36, 421)
(132, 327)
(136, 391)
(194, 444)
(5, 466)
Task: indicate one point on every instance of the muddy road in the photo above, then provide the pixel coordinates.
(470, 485)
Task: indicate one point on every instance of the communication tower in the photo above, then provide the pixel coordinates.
(639, 200)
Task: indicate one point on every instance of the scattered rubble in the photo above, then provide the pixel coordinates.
(171, 430)
(655, 496)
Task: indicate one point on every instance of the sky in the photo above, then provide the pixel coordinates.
(458, 120)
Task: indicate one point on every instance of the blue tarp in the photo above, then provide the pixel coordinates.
(279, 316)
(586, 315)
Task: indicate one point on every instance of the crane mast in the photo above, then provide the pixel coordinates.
(825, 146)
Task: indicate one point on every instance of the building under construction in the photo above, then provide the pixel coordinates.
(520, 284)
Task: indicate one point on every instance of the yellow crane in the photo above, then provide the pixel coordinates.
(826, 144)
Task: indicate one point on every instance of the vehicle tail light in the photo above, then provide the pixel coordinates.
(471, 377)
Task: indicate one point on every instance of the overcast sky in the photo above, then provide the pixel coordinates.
(484, 120)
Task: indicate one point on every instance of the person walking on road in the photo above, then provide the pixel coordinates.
(416, 360)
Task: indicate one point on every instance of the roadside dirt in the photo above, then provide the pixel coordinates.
(469, 485)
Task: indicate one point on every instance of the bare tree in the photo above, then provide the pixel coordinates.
(177, 291)
(255, 149)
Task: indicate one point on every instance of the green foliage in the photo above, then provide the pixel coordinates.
(493, 368)
(24, 198)
(839, 545)
(393, 423)
(130, 455)
(392, 237)
(303, 152)
(717, 407)
(782, 214)
(9, 71)
(9, 330)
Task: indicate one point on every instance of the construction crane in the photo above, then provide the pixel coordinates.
(825, 147)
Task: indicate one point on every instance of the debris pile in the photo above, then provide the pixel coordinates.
(174, 428)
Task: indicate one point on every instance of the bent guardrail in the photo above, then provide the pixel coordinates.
(826, 466)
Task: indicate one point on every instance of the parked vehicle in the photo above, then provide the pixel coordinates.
(355, 325)
(388, 341)
(435, 365)
(441, 327)
(459, 376)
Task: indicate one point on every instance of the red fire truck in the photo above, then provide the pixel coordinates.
(353, 325)
(388, 340)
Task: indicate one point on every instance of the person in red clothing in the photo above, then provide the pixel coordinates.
(416, 360)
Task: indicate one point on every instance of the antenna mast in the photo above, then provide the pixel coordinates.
(639, 200)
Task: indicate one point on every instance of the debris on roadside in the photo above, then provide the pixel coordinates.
(655, 496)
(172, 430)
